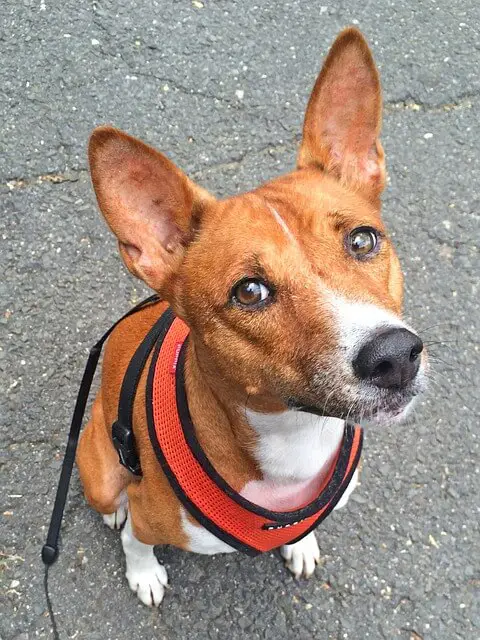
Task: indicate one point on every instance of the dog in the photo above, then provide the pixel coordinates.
(291, 298)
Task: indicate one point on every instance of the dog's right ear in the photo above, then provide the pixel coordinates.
(151, 206)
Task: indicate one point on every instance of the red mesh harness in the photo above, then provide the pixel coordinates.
(202, 491)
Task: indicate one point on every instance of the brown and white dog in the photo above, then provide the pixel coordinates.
(292, 293)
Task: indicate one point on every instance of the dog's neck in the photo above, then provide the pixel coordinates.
(290, 451)
(294, 446)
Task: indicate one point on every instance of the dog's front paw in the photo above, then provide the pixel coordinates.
(116, 519)
(148, 582)
(302, 556)
(146, 576)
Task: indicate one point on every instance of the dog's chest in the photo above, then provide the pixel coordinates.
(294, 447)
(295, 451)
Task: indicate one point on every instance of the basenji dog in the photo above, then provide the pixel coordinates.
(290, 296)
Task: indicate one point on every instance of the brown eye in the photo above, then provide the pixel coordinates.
(251, 293)
(362, 242)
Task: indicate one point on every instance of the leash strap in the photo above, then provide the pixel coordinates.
(50, 548)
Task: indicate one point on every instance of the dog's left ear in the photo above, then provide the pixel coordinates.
(344, 115)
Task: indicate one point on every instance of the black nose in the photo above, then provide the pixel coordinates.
(390, 359)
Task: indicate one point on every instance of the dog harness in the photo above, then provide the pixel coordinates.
(202, 491)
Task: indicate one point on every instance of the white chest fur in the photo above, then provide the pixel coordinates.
(295, 446)
(295, 450)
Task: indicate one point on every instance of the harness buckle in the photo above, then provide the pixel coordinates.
(124, 443)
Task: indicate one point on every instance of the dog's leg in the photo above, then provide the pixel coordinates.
(116, 519)
(302, 556)
(103, 478)
(145, 575)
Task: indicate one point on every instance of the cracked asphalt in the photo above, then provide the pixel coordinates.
(221, 87)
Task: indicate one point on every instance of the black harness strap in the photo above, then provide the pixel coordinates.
(122, 429)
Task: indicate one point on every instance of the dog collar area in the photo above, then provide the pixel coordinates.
(206, 495)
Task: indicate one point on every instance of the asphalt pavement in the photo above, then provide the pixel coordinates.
(221, 87)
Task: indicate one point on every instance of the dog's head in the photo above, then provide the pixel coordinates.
(293, 291)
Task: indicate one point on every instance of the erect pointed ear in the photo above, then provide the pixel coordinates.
(150, 205)
(344, 115)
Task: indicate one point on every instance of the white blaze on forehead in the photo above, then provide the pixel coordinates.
(281, 222)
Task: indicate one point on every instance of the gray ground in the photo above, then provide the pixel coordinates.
(401, 561)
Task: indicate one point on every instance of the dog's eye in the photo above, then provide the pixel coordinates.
(362, 242)
(251, 293)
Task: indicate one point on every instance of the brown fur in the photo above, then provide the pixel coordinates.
(192, 248)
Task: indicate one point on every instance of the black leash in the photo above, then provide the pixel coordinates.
(49, 604)
(50, 548)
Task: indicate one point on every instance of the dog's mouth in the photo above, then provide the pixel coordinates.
(376, 407)
(390, 412)
(339, 392)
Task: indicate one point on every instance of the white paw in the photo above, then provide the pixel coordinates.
(146, 576)
(302, 557)
(116, 519)
(148, 582)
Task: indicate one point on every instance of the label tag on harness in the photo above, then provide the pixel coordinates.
(173, 368)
